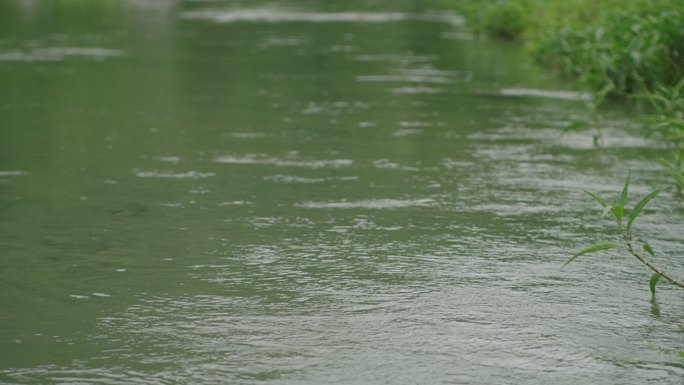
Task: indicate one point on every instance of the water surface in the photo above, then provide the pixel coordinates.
(311, 192)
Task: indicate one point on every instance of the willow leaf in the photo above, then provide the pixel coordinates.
(592, 249)
(649, 249)
(619, 212)
(654, 282)
(640, 206)
(625, 191)
(597, 198)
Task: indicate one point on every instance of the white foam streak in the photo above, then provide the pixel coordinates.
(12, 173)
(564, 95)
(403, 79)
(369, 204)
(314, 164)
(396, 58)
(293, 179)
(60, 53)
(415, 90)
(171, 175)
(266, 15)
(279, 16)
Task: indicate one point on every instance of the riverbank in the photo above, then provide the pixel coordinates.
(614, 48)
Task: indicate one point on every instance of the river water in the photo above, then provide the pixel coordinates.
(312, 192)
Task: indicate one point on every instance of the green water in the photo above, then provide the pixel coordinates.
(310, 192)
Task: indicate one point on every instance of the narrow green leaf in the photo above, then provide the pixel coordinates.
(681, 354)
(597, 198)
(654, 98)
(654, 282)
(679, 86)
(592, 249)
(649, 249)
(640, 206)
(619, 212)
(676, 123)
(625, 191)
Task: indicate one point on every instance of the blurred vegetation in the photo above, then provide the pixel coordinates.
(614, 47)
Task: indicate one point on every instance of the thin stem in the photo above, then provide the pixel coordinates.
(652, 266)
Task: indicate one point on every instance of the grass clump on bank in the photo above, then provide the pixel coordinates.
(626, 55)
(616, 48)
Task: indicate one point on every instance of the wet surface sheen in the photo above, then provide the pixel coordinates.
(310, 192)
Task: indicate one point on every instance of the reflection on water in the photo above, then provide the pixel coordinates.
(319, 192)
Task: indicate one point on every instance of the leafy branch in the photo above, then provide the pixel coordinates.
(618, 212)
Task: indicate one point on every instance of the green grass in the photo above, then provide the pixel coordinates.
(613, 47)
